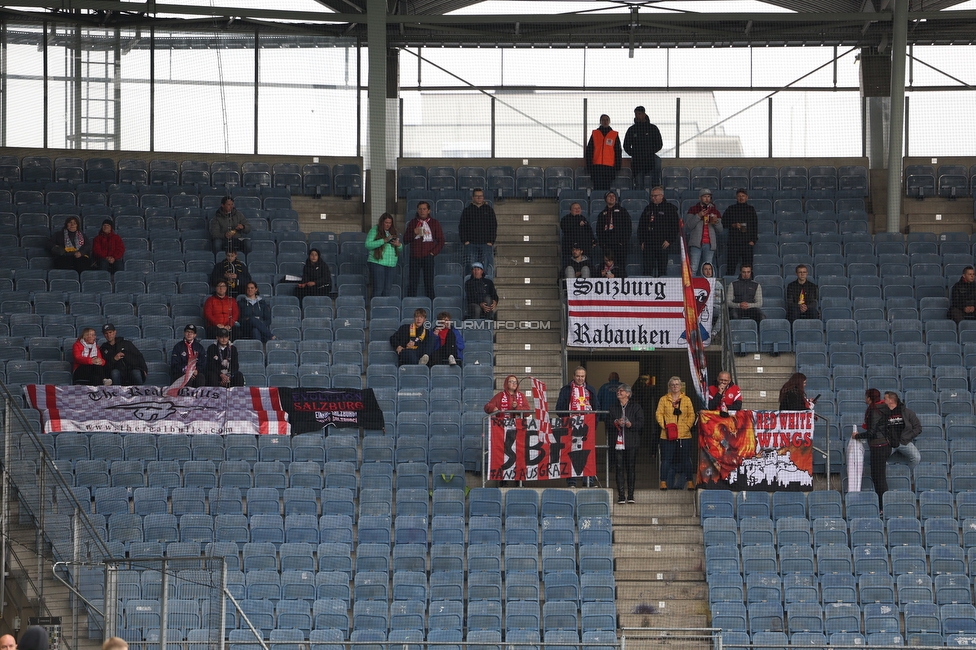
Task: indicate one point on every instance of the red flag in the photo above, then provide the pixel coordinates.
(693, 331)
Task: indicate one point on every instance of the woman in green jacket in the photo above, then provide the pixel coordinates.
(384, 243)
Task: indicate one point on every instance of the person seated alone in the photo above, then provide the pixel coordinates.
(802, 296)
(229, 227)
(70, 248)
(412, 341)
(232, 271)
(316, 277)
(220, 310)
(88, 365)
(448, 344)
(223, 368)
(108, 248)
(962, 300)
(579, 264)
(480, 294)
(124, 362)
(744, 297)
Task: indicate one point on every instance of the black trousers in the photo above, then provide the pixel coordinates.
(626, 461)
(879, 469)
(603, 176)
(420, 265)
(655, 261)
(740, 253)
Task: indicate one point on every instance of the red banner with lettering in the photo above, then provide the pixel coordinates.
(517, 451)
(756, 450)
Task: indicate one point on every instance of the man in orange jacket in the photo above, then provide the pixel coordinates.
(603, 155)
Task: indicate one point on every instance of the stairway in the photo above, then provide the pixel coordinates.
(761, 375)
(527, 341)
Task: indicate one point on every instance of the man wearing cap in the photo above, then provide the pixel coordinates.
(702, 225)
(642, 142)
(743, 224)
(124, 364)
(223, 368)
(186, 352)
(603, 155)
(478, 228)
(480, 294)
(228, 227)
(613, 231)
(657, 231)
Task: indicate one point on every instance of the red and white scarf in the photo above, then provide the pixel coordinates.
(580, 399)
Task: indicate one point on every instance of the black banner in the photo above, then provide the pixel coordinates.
(311, 409)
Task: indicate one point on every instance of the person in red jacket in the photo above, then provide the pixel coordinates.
(220, 311)
(510, 399)
(88, 365)
(426, 239)
(108, 249)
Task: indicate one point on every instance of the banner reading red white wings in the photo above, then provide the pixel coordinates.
(635, 312)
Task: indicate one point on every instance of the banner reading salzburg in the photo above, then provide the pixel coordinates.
(635, 312)
(756, 450)
(518, 452)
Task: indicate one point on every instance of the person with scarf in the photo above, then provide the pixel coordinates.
(88, 364)
(187, 352)
(703, 223)
(610, 269)
(509, 399)
(232, 271)
(108, 248)
(613, 233)
(223, 369)
(412, 341)
(383, 242)
(124, 362)
(447, 341)
(675, 417)
(603, 155)
(625, 422)
(316, 277)
(70, 248)
(426, 239)
(877, 442)
(220, 311)
(255, 314)
(578, 395)
(793, 396)
(657, 233)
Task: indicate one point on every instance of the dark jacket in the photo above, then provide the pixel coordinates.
(745, 214)
(401, 337)
(478, 291)
(453, 343)
(562, 403)
(418, 247)
(658, 224)
(963, 295)
(218, 363)
(82, 243)
(811, 292)
(793, 401)
(634, 413)
(622, 229)
(178, 359)
(874, 429)
(643, 140)
(133, 359)
(260, 310)
(319, 274)
(576, 230)
(235, 286)
(899, 425)
(478, 225)
(222, 222)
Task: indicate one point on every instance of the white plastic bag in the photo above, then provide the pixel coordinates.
(855, 465)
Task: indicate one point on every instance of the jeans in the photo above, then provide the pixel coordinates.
(675, 462)
(909, 451)
(479, 253)
(135, 378)
(698, 256)
(382, 279)
(256, 328)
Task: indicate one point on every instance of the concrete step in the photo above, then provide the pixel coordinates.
(630, 570)
(675, 534)
(682, 606)
(515, 359)
(662, 563)
(521, 337)
(667, 618)
(516, 274)
(660, 547)
(551, 348)
(636, 591)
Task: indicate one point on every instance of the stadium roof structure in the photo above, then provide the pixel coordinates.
(458, 23)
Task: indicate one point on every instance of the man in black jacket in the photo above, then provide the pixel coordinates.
(232, 271)
(901, 427)
(124, 364)
(657, 230)
(802, 296)
(613, 232)
(962, 299)
(223, 368)
(642, 142)
(575, 229)
(742, 222)
(478, 228)
(480, 294)
(744, 297)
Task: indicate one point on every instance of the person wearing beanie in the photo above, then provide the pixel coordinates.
(603, 155)
(34, 638)
(107, 248)
(642, 142)
(703, 223)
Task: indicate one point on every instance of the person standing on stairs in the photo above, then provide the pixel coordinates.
(675, 417)
(625, 422)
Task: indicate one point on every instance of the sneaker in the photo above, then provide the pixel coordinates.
(451, 360)
(631, 500)
(423, 360)
(106, 382)
(621, 501)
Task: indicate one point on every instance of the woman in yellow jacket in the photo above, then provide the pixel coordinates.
(676, 412)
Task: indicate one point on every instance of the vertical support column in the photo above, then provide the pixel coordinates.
(110, 603)
(7, 491)
(493, 126)
(223, 603)
(46, 77)
(677, 127)
(152, 89)
(376, 33)
(899, 38)
(3, 85)
(76, 104)
(117, 92)
(769, 127)
(257, 71)
(163, 604)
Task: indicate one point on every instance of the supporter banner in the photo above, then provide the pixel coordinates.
(518, 452)
(756, 450)
(149, 409)
(311, 409)
(643, 313)
(693, 332)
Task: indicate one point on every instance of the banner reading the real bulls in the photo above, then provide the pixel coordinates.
(756, 450)
(518, 452)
